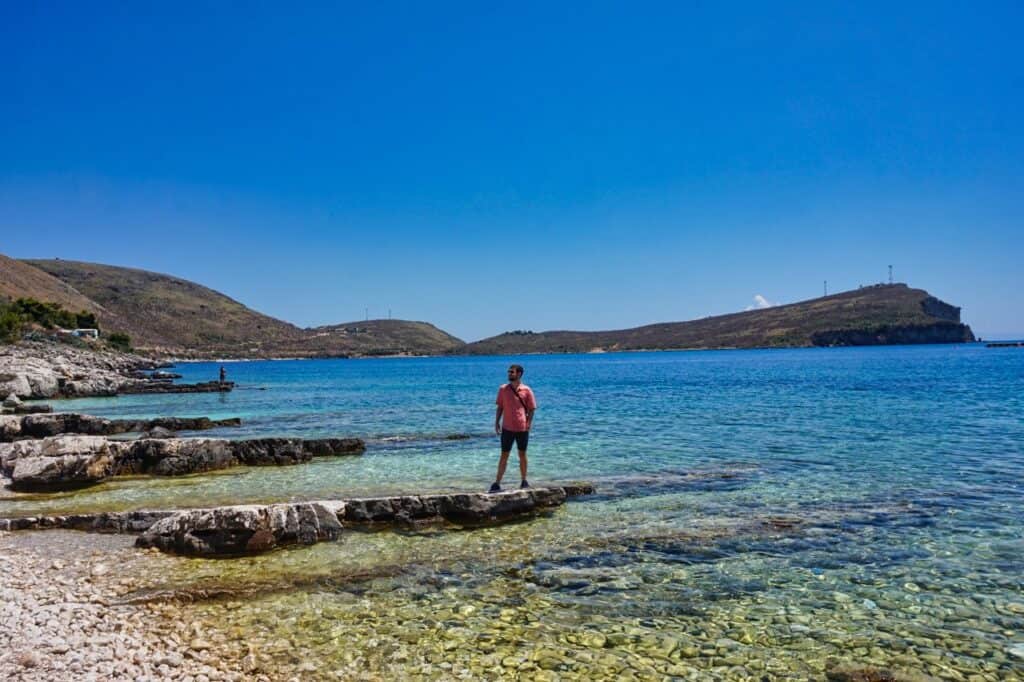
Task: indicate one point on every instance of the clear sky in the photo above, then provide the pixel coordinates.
(526, 166)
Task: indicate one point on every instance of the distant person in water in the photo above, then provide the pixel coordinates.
(512, 421)
(223, 374)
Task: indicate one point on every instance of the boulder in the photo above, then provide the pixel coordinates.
(232, 531)
(59, 463)
(12, 400)
(45, 425)
(57, 446)
(159, 432)
(64, 472)
(16, 384)
(175, 456)
(10, 427)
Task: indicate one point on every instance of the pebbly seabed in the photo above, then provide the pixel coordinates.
(779, 514)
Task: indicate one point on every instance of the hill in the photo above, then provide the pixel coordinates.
(872, 315)
(166, 315)
(21, 280)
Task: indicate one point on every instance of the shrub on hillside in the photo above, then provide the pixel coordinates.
(120, 341)
(50, 315)
(12, 324)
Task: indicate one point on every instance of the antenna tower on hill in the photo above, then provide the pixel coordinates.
(826, 287)
(890, 274)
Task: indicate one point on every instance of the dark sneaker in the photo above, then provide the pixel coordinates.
(495, 488)
(525, 484)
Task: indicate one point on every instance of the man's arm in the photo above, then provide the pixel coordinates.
(497, 420)
(529, 418)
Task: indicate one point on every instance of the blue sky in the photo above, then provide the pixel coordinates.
(527, 166)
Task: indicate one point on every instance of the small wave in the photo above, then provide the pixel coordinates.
(398, 438)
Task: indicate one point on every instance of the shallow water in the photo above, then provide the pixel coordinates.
(759, 512)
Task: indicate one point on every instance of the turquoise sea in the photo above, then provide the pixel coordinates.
(760, 515)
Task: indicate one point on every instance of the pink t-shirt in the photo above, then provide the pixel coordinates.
(513, 414)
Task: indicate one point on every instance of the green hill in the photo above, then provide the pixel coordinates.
(872, 315)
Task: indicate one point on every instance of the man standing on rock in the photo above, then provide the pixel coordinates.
(512, 422)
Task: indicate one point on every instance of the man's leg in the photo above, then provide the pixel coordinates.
(522, 464)
(502, 463)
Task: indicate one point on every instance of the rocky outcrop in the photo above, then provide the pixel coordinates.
(168, 387)
(251, 529)
(940, 332)
(49, 370)
(38, 369)
(42, 426)
(59, 463)
(231, 531)
(32, 408)
(84, 460)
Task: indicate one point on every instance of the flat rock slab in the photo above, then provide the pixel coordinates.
(251, 529)
(32, 464)
(46, 425)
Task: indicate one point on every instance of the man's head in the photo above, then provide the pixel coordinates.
(515, 372)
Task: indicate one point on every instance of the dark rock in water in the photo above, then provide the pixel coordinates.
(264, 451)
(158, 432)
(175, 457)
(232, 531)
(56, 424)
(33, 409)
(458, 436)
(159, 387)
(12, 400)
(42, 426)
(332, 447)
(193, 423)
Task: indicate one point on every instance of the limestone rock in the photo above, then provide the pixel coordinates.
(229, 531)
(12, 400)
(10, 427)
(61, 472)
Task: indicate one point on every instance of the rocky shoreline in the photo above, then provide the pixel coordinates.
(40, 370)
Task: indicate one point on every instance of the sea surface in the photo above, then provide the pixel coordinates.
(760, 514)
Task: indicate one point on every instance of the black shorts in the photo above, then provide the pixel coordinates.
(521, 438)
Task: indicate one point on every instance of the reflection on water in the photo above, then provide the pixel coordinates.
(758, 513)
